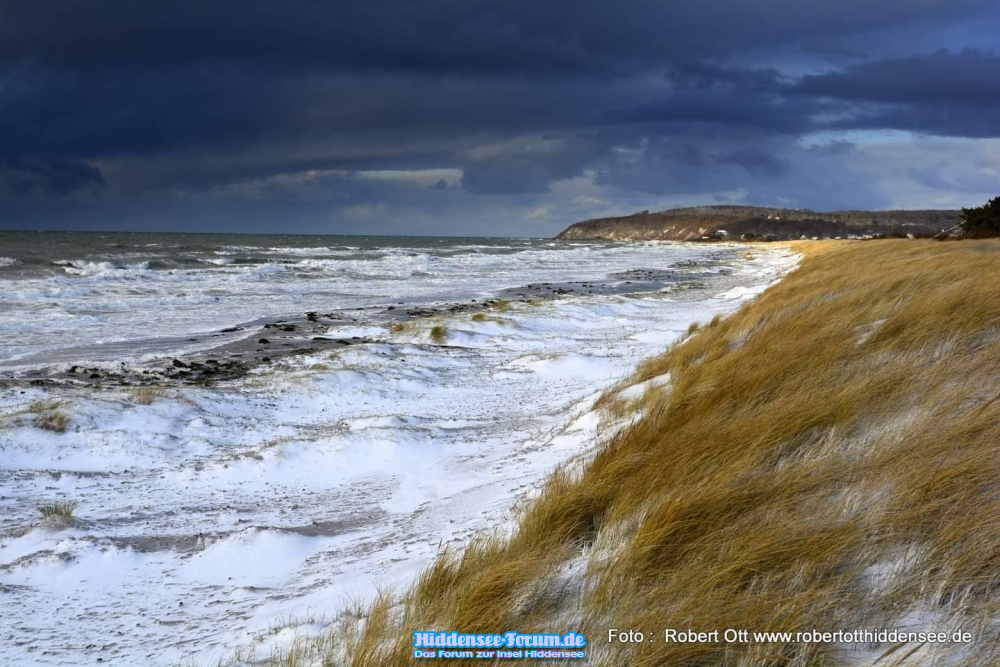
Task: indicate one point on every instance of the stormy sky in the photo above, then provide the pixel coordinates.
(486, 118)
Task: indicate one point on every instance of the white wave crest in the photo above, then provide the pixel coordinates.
(79, 267)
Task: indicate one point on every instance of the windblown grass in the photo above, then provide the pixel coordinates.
(145, 395)
(827, 458)
(483, 317)
(50, 415)
(406, 326)
(499, 305)
(57, 515)
(439, 333)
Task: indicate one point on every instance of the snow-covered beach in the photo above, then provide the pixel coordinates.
(213, 516)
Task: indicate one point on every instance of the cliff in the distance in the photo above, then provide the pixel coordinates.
(699, 222)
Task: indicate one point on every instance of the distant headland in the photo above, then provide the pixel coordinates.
(705, 223)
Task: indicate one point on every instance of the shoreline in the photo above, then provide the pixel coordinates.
(246, 346)
(812, 484)
(348, 465)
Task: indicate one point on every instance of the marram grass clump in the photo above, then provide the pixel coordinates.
(57, 515)
(144, 395)
(824, 459)
(439, 334)
(483, 317)
(50, 415)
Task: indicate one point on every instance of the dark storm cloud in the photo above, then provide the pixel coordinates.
(96, 114)
(676, 166)
(941, 93)
(941, 77)
(51, 177)
(228, 124)
(531, 163)
(446, 35)
(157, 102)
(942, 119)
(497, 177)
(767, 113)
(755, 161)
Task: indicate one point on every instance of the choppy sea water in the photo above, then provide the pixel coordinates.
(248, 511)
(81, 291)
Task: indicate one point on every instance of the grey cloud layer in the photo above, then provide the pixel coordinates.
(123, 104)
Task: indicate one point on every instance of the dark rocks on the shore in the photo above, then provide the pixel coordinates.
(233, 357)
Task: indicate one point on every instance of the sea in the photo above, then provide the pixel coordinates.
(440, 381)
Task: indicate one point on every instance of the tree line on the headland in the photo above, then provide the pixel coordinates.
(982, 221)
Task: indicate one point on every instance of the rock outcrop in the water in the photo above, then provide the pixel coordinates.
(754, 222)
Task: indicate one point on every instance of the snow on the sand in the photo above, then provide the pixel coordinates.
(213, 514)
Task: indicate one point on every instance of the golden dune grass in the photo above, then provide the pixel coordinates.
(57, 515)
(439, 334)
(145, 395)
(826, 458)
